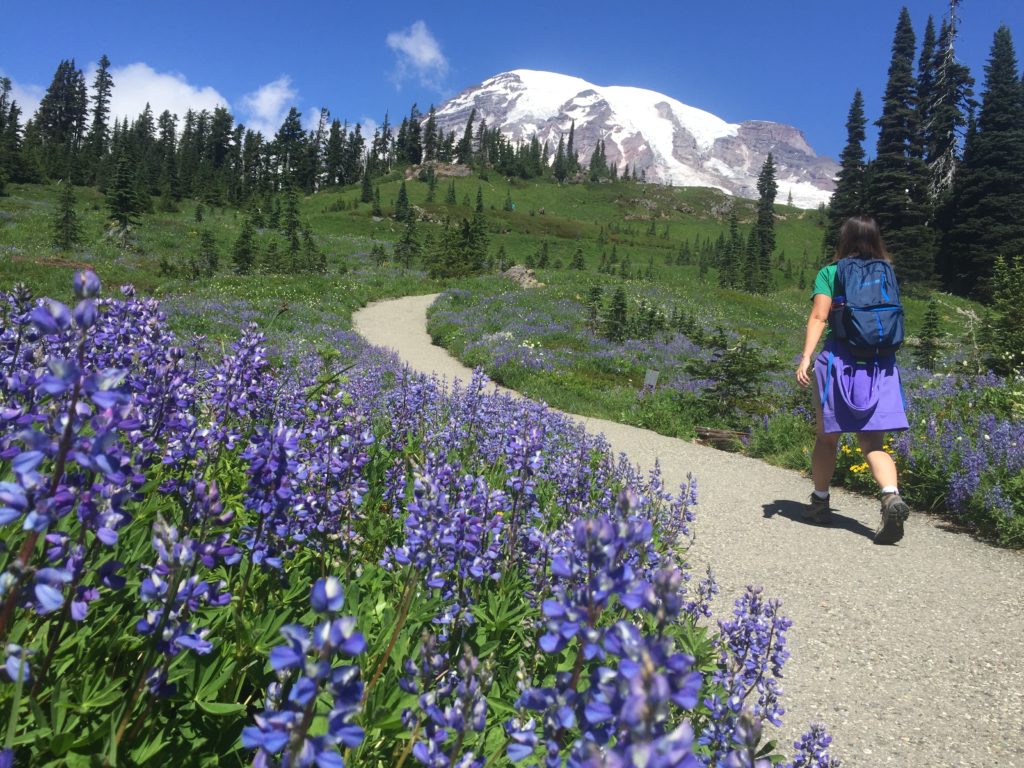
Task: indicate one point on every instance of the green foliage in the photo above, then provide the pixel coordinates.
(848, 198)
(987, 197)
(67, 231)
(1007, 324)
(737, 380)
(243, 254)
(616, 321)
(897, 192)
(929, 345)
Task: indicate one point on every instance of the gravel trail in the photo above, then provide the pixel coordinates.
(912, 655)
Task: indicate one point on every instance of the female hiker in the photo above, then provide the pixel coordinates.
(855, 303)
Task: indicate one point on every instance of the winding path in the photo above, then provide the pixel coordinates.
(913, 655)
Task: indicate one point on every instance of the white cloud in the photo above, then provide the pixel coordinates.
(265, 108)
(419, 55)
(369, 125)
(27, 97)
(136, 85)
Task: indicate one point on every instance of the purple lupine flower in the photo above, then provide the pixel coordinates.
(812, 750)
(751, 656)
(16, 663)
(281, 734)
(451, 704)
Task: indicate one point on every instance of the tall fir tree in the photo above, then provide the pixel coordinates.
(952, 104)
(572, 160)
(99, 133)
(988, 196)
(464, 150)
(898, 186)
(10, 134)
(848, 198)
(767, 188)
(61, 121)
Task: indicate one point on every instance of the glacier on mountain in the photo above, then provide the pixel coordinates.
(669, 141)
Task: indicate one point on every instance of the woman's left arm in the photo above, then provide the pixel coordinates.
(816, 323)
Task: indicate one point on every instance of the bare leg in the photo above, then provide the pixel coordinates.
(823, 459)
(881, 463)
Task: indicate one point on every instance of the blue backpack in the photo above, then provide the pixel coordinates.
(871, 320)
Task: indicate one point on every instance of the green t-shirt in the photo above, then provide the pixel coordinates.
(825, 283)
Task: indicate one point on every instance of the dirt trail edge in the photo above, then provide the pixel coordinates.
(912, 655)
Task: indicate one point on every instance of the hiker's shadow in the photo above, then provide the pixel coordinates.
(793, 510)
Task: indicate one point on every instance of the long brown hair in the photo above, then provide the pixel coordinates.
(859, 236)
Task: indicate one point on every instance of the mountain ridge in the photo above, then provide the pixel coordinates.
(668, 141)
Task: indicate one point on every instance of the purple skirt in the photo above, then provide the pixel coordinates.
(859, 395)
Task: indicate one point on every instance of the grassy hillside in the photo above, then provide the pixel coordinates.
(540, 341)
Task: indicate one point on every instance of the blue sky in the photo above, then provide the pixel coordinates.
(791, 61)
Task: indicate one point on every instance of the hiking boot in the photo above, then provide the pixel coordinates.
(890, 526)
(818, 510)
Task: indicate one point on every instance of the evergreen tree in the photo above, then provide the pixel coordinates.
(10, 134)
(431, 184)
(67, 232)
(508, 206)
(272, 257)
(848, 198)
(102, 86)
(766, 189)
(616, 320)
(243, 254)
(430, 136)
(594, 298)
(751, 281)
(479, 209)
(289, 147)
(334, 155)
(377, 211)
(291, 225)
(449, 197)
(543, 256)
(1007, 330)
(403, 211)
(315, 259)
(898, 188)
(572, 160)
(988, 194)
(730, 266)
(578, 262)
(952, 104)
(927, 352)
(366, 193)
(464, 150)
(208, 256)
(120, 197)
(558, 168)
(408, 249)
(61, 121)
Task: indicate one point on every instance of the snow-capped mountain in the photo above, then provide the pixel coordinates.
(671, 142)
